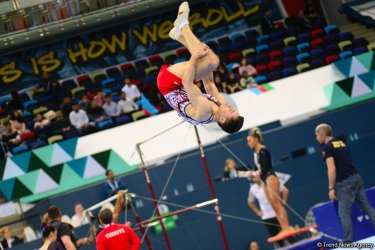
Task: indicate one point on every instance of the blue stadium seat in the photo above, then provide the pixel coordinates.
(149, 80)
(359, 50)
(141, 64)
(224, 41)
(117, 89)
(290, 62)
(68, 85)
(238, 38)
(331, 39)
(303, 58)
(344, 36)
(304, 37)
(274, 76)
(37, 144)
(105, 124)
(116, 98)
(123, 120)
(289, 72)
(331, 29)
(290, 51)
(31, 104)
(213, 45)
(276, 35)
(109, 83)
(360, 42)
(262, 59)
(179, 60)
(262, 49)
(71, 134)
(260, 79)
(332, 49)
(20, 149)
(277, 45)
(345, 54)
(303, 47)
(113, 72)
(317, 63)
(317, 54)
(251, 34)
(265, 39)
(237, 47)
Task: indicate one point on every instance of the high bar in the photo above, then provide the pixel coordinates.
(101, 203)
(152, 137)
(178, 211)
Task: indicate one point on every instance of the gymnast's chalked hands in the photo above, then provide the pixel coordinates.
(200, 50)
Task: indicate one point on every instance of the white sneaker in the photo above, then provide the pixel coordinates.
(183, 13)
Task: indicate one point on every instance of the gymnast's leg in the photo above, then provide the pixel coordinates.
(182, 33)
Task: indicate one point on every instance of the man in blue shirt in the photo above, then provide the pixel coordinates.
(349, 184)
(112, 186)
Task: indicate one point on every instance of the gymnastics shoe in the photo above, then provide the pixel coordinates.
(174, 34)
(183, 13)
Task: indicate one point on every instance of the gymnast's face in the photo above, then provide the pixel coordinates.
(227, 111)
(252, 141)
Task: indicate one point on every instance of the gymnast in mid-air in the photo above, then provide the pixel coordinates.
(176, 82)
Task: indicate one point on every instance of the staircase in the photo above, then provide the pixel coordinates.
(360, 30)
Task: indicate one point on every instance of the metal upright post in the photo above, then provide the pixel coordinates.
(212, 191)
(138, 219)
(154, 200)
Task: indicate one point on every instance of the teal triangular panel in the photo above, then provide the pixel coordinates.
(343, 66)
(45, 154)
(30, 180)
(59, 155)
(78, 166)
(359, 88)
(45, 183)
(22, 160)
(7, 187)
(93, 168)
(366, 59)
(357, 67)
(12, 170)
(69, 146)
(368, 79)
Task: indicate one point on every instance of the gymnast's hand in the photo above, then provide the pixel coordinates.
(200, 50)
(332, 195)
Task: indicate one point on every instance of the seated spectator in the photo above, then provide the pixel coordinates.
(247, 67)
(233, 84)
(231, 169)
(49, 85)
(9, 140)
(112, 186)
(61, 124)
(219, 83)
(9, 241)
(126, 105)
(130, 90)
(247, 81)
(110, 107)
(302, 22)
(221, 70)
(66, 107)
(96, 114)
(40, 122)
(267, 24)
(79, 218)
(15, 103)
(253, 245)
(17, 123)
(100, 98)
(311, 13)
(79, 119)
(85, 103)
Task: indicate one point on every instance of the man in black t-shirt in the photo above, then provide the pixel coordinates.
(64, 235)
(349, 184)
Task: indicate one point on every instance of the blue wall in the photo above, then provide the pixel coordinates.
(308, 184)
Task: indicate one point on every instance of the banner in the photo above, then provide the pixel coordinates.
(127, 42)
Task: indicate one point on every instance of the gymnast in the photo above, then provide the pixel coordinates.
(271, 183)
(176, 82)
